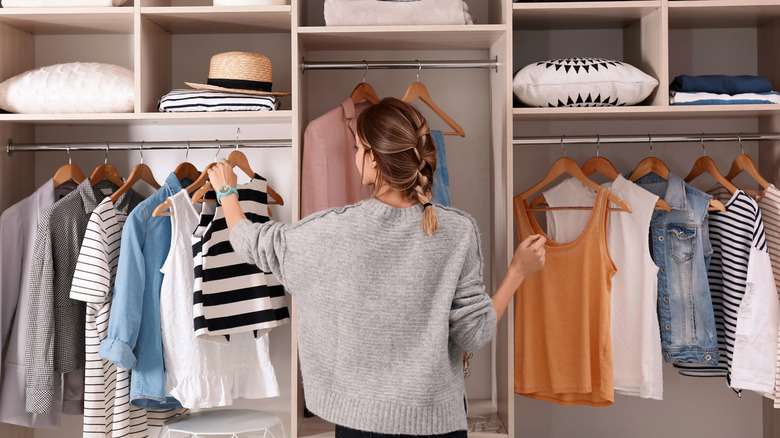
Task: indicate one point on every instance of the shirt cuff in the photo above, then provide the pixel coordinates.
(118, 352)
(39, 400)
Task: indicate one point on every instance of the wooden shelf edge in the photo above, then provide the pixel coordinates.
(578, 5)
(281, 116)
(15, 12)
(205, 10)
(303, 30)
(684, 111)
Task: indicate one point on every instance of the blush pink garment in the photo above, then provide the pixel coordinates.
(329, 177)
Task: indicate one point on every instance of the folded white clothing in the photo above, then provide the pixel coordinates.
(185, 100)
(61, 3)
(680, 97)
(390, 13)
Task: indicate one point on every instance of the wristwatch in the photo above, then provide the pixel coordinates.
(225, 190)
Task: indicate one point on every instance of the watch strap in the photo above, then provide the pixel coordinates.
(225, 191)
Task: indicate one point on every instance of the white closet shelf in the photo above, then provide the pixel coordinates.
(646, 112)
(722, 13)
(207, 19)
(218, 118)
(580, 15)
(444, 37)
(73, 21)
(317, 427)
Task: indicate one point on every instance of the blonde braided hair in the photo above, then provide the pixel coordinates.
(398, 137)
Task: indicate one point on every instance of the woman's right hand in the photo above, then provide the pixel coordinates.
(529, 256)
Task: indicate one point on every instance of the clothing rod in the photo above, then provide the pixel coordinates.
(369, 65)
(12, 147)
(643, 138)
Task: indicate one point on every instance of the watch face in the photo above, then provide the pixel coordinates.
(224, 189)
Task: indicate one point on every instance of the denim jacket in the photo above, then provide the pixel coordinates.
(680, 247)
(134, 340)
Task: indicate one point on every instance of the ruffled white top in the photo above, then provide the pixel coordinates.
(202, 374)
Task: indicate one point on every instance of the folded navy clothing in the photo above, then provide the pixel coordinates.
(721, 84)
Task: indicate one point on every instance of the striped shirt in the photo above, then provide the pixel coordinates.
(235, 296)
(107, 408)
(769, 204)
(184, 100)
(732, 235)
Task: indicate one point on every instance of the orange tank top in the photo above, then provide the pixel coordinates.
(563, 347)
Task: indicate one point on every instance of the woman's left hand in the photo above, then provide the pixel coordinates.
(222, 174)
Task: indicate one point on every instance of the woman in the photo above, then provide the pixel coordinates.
(384, 308)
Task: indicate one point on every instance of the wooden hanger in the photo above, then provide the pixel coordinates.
(567, 165)
(364, 91)
(106, 171)
(68, 172)
(141, 172)
(658, 167)
(705, 164)
(197, 182)
(418, 91)
(186, 170)
(237, 159)
(744, 162)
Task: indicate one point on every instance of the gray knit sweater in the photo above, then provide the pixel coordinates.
(383, 311)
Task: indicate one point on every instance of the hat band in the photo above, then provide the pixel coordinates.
(240, 84)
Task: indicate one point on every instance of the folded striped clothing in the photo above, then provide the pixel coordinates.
(186, 100)
(701, 98)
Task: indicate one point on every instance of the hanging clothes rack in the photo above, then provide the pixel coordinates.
(12, 147)
(642, 138)
(416, 64)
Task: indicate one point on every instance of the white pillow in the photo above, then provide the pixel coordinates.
(582, 82)
(76, 87)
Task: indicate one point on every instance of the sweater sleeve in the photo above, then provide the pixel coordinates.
(262, 244)
(472, 318)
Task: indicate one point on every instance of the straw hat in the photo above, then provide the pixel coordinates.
(240, 72)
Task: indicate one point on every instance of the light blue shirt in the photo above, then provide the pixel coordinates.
(134, 340)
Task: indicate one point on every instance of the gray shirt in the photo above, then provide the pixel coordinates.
(383, 311)
(55, 321)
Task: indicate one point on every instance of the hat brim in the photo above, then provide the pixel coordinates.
(235, 90)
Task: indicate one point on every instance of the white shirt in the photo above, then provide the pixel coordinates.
(636, 339)
(200, 373)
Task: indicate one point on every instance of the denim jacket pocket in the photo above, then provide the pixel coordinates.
(682, 242)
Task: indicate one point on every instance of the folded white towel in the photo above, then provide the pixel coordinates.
(60, 3)
(386, 13)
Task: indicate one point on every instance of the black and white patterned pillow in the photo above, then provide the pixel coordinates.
(578, 82)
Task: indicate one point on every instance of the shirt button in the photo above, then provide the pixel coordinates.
(668, 326)
(666, 299)
(660, 238)
(668, 355)
(663, 269)
(708, 357)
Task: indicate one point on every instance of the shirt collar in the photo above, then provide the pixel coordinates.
(92, 195)
(675, 192)
(172, 184)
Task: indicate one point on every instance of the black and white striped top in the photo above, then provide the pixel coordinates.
(232, 296)
(183, 100)
(732, 234)
(107, 408)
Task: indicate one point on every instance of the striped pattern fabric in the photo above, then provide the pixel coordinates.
(235, 296)
(184, 100)
(732, 234)
(107, 408)
(769, 204)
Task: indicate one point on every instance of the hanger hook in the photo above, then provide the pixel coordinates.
(365, 72)
(69, 160)
(419, 69)
(563, 148)
(238, 131)
(650, 139)
(219, 148)
(701, 139)
(187, 153)
(598, 145)
(741, 148)
(105, 159)
(141, 150)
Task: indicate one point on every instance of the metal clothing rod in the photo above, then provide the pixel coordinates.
(643, 138)
(367, 65)
(146, 145)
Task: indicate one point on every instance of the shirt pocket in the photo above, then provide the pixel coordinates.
(682, 242)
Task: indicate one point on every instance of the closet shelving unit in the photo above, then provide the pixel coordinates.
(662, 38)
(639, 34)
